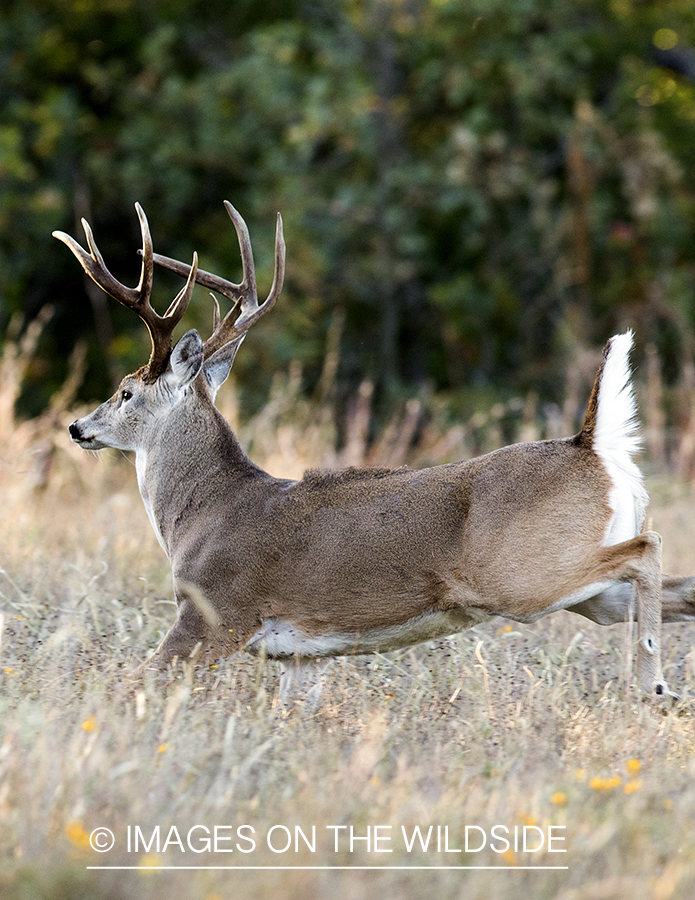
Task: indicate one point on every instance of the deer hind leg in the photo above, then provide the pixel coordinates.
(647, 581)
(677, 599)
(301, 680)
(637, 562)
(618, 602)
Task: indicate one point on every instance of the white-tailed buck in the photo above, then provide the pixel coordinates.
(371, 559)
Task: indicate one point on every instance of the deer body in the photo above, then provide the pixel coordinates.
(363, 559)
(371, 560)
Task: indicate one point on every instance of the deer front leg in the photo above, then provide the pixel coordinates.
(183, 640)
(196, 634)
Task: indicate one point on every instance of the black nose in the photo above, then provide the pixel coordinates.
(75, 432)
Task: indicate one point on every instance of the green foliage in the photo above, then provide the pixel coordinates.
(466, 184)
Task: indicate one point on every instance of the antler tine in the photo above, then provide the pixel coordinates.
(237, 321)
(279, 269)
(215, 313)
(160, 328)
(144, 287)
(248, 269)
(179, 304)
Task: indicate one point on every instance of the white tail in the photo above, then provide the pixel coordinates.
(373, 559)
(616, 440)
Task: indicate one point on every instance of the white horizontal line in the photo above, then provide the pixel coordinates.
(322, 868)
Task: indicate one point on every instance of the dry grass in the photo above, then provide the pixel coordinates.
(525, 726)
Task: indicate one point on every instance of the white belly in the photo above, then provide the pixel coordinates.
(280, 639)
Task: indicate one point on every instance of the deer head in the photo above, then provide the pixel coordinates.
(144, 396)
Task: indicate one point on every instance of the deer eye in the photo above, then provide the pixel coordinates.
(125, 395)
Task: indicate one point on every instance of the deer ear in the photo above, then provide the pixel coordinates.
(185, 361)
(218, 367)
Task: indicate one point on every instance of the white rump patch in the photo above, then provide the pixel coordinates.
(616, 439)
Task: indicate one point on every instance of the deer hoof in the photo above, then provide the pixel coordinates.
(663, 695)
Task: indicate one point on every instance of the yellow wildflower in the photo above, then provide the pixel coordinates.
(509, 856)
(75, 833)
(605, 784)
(528, 820)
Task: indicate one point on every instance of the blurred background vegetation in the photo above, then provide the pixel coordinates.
(475, 192)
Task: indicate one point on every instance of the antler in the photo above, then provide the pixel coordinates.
(160, 328)
(244, 295)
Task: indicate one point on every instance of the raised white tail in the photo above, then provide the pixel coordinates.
(616, 438)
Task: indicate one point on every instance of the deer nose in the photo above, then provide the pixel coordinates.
(75, 432)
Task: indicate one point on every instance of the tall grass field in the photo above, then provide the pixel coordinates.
(509, 761)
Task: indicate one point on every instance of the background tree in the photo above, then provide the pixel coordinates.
(470, 190)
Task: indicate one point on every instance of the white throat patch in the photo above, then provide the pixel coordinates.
(140, 471)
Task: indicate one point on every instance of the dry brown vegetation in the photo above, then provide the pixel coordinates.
(523, 725)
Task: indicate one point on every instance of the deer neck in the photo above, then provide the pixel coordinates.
(191, 459)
